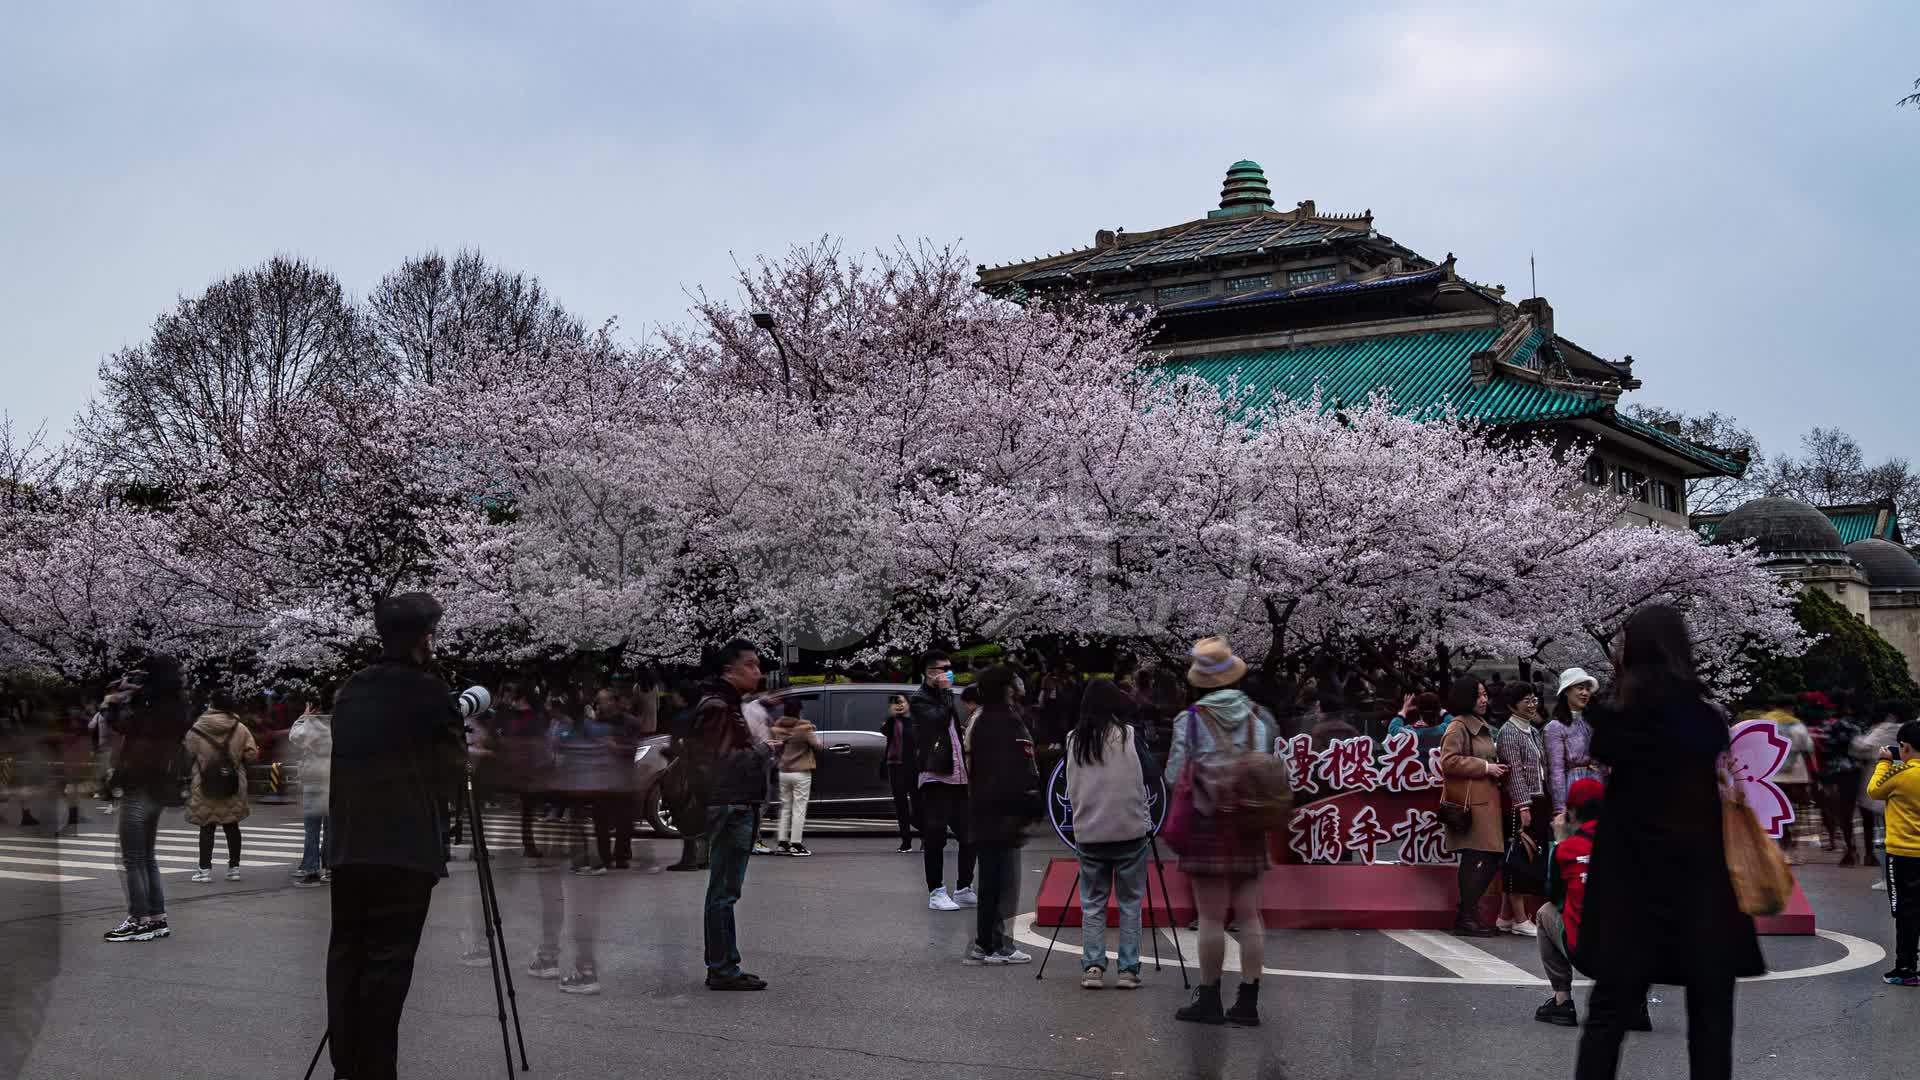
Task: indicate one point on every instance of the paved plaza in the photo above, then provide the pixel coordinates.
(865, 983)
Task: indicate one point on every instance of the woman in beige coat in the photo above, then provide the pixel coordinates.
(215, 739)
(1469, 761)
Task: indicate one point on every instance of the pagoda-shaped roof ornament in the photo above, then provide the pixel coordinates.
(1245, 191)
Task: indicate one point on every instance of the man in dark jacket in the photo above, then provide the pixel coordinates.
(936, 731)
(734, 764)
(398, 759)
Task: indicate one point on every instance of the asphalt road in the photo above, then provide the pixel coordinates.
(866, 983)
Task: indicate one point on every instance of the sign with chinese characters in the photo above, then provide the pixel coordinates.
(1354, 799)
(1364, 800)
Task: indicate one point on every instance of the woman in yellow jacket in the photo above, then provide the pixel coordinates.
(1896, 780)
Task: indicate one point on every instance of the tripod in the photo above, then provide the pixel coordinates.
(1151, 927)
(496, 936)
(490, 919)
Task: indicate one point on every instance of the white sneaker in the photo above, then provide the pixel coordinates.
(544, 965)
(1011, 956)
(1094, 979)
(1525, 929)
(938, 900)
(233, 873)
(1504, 925)
(967, 897)
(201, 876)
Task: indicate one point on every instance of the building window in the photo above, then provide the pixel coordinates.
(1631, 484)
(1167, 294)
(1596, 471)
(1249, 283)
(1667, 496)
(1311, 276)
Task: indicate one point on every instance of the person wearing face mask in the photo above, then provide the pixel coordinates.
(1569, 740)
(1523, 751)
(901, 773)
(936, 728)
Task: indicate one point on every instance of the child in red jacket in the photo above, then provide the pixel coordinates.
(1559, 919)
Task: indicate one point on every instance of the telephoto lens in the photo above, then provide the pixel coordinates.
(472, 701)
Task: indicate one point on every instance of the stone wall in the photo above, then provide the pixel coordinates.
(1896, 615)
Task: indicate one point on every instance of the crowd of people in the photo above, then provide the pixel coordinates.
(1598, 793)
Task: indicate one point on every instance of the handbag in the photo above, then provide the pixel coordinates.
(1181, 826)
(1525, 865)
(1762, 882)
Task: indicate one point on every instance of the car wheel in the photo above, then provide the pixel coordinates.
(659, 818)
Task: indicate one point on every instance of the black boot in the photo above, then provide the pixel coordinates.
(1246, 1006)
(1204, 1008)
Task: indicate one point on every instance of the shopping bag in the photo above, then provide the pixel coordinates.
(1762, 883)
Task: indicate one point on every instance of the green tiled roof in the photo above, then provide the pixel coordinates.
(1692, 451)
(1423, 372)
(1859, 525)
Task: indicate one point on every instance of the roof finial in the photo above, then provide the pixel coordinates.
(1245, 191)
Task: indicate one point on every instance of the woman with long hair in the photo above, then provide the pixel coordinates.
(1110, 775)
(1660, 906)
(1470, 763)
(1225, 865)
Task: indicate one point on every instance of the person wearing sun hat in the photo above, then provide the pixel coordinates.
(1570, 739)
(1226, 868)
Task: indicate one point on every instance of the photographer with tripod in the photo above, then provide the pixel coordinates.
(398, 762)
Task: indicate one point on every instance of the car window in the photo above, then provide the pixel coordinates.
(862, 710)
(813, 708)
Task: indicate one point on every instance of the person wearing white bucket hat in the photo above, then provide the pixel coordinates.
(1570, 739)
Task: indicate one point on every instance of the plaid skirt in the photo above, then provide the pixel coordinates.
(1221, 848)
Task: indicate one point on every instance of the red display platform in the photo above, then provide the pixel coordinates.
(1344, 897)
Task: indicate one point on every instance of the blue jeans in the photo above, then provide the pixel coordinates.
(1125, 863)
(139, 828)
(313, 815)
(729, 847)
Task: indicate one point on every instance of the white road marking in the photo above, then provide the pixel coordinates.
(26, 875)
(1471, 964)
(191, 862)
(251, 842)
(1860, 953)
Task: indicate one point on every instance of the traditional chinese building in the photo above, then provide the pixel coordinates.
(1854, 552)
(1294, 300)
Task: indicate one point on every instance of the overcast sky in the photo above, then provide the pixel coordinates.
(1728, 195)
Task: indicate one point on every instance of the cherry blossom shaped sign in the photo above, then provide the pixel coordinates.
(1755, 755)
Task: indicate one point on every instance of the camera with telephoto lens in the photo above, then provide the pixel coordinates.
(472, 701)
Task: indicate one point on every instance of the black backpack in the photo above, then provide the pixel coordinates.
(221, 780)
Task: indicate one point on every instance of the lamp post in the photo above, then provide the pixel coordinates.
(764, 320)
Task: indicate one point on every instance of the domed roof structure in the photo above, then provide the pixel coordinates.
(1783, 527)
(1888, 565)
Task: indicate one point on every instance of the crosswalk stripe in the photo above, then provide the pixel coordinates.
(192, 864)
(42, 843)
(28, 875)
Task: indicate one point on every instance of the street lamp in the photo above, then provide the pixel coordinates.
(764, 320)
